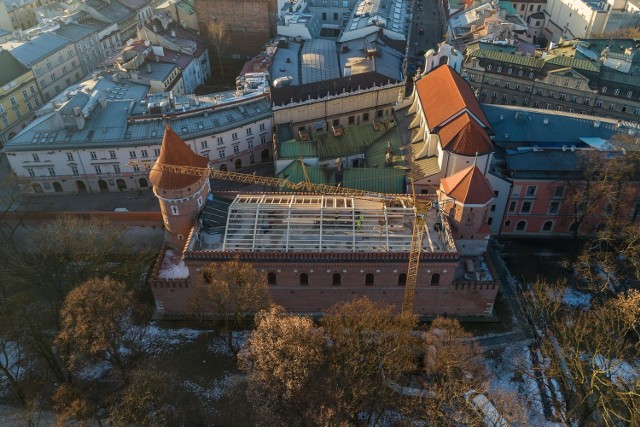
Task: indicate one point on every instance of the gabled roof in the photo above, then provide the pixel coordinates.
(11, 68)
(444, 94)
(174, 151)
(469, 186)
(463, 135)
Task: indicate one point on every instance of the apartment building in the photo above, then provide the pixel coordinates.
(19, 96)
(570, 78)
(53, 59)
(85, 137)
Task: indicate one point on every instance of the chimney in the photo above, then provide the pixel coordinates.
(173, 32)
(148, 68)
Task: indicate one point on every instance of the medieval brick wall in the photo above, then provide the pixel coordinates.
(436, 292)
(251, 23)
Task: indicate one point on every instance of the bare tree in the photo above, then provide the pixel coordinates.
(592, 354)
(219, 36)
(231, 293)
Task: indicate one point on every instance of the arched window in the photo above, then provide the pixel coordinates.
(499, 68)
(304, 279)
(604, 89)
(271, 279)
(402, 279)
(368, 279)
(435, 279)
(521, 225)
(547, 226)
(489, 67)
(336, 280)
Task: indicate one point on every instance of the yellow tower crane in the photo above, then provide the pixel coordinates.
(420, 207)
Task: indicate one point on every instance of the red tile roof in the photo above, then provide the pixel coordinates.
(463, 135)
(469, 186)
(444, 94)
(174, 151)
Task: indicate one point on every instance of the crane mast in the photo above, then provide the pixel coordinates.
(420, 207)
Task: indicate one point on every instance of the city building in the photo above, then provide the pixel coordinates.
(20, 13)
(19, 96)
(313, 250)
(86, 39)
(183, 47)
(53, 60)
(83, 139)
(115, 12)
(571, 19)
(181, 11)
(595, 77)
(248, 24)
(538, 168)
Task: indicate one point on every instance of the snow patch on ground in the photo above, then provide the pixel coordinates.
(96, 371)
(625, 374)
(576, 299)
(154, 336)
(173, 267)
(211, 393)
(219, 344)
(511, 373)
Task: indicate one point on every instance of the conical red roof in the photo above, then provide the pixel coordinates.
(175, 151)
(469, 186)
(463, 135)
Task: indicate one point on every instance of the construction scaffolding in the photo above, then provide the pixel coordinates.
(325, 223)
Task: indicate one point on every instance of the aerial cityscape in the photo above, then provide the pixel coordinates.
(320, 212)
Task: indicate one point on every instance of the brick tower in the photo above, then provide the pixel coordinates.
(466, 198)
(181, 196)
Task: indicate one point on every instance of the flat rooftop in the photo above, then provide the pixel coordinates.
(322, 224)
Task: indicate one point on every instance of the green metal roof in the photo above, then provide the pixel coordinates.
(11, 68)
(376, 154)
(522, 60)
(295, 149)
(609, 75)
(382, 179)
(355, 139)
(579, 64)
(490, 47)
(506, 5)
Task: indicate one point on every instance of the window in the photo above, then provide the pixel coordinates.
(136, 168)
(512, 207)
(368, 279)
(598, 104)
(489, 221)
(435, 279)
(521, 226)
(271, 279)
(612, 106)
(547, 226)
(336, 280)
(203, 144)
(221, 154)
(352, 120)
(616, 92)
(499, 68)
(74, 170)
(527, 89)
(262, 126)
(112, 154)
(220, 141)
(116, 168)
(250, 143)
(36, 158)
(489, 67)
(98, 169)
(304, 279)
(563, 96)
(509, 71)
(13, 101)
(175, 210)
(156, 152)
(263, 140)
(493, 208)
(585, 101)
(32, 89)
(236, 149)
(526, 207)
(93, 155)
(335, 16)
(531, 190)
(553, 207)
(558, 191)
(324, 16)
(604, 89)
(234, 135)
(69, 156)
(144, 153)
(132, 154)
(25, 95)
(539, 6)
(52, 171)
(402, 279)
(31, 172)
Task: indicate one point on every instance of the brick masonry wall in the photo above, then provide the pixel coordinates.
(251, 23)
(320, 293)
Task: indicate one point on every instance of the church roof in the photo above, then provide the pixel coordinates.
(174, 151)
(469, 186)
(444, 94)
(463, 135)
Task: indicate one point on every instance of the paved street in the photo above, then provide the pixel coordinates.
(428, 17)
